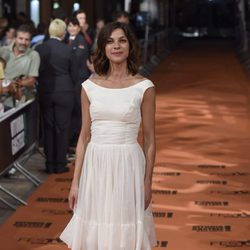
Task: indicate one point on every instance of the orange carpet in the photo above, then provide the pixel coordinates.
(201, 190)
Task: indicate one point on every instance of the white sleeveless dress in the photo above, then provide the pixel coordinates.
(110, 211)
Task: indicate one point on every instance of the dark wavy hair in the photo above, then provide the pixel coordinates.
(74, 21)
(101, 62)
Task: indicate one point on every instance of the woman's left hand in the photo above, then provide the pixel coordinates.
(148, 193)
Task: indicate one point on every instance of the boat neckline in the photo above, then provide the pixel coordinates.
(118, 88)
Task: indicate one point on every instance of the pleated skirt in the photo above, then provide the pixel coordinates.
(110, 213)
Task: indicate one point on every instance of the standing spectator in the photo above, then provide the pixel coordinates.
(40, 35)
(85, 29)
(100, 23)
(98, 26)
(22, 63)
(123, 17)
(9, 36)
(56, 91)
(58, 13)
(80, 49)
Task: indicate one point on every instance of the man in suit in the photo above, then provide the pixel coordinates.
(57, 76)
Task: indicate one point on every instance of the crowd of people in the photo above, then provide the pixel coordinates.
(51, 62)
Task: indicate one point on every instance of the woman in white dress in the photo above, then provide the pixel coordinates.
(111, 188)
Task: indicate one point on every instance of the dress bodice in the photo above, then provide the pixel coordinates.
(115, 113)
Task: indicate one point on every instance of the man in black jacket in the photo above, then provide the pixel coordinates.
(57, 76)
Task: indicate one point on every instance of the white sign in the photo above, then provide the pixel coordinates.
(17, 143)
(17, 125)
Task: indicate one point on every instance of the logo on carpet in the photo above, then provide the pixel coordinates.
(165, 192)
(40, 241)
(56, 212)
(168, 173)
(231, 215)
(211, 166)
(231, 243)
(235, 192)
(231, 174)
(216, 182)
(211, 203)
(32, 224)
(52, 200)
(163, 214)
(218, 228)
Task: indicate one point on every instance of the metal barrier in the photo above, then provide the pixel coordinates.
(18, 134)
(154, 48)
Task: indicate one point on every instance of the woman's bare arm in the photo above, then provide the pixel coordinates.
(148, 129)
(82, 143)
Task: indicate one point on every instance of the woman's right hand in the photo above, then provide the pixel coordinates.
(73, 195)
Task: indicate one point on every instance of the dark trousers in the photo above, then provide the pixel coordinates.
(56, 111)
(76, 120)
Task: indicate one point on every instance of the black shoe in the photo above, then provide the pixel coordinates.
(61, 170)
(10, 173)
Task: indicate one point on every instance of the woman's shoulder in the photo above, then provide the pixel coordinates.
(138, 78)
(142, 79)
(96, 78)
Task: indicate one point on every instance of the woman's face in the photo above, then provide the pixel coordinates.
(73, 29)
(81, 19)
(10, 34)
(117, 47)
(100, 24)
